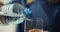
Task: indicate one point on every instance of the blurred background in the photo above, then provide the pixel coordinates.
(43, 14)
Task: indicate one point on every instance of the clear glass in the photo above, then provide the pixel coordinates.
(33, 24)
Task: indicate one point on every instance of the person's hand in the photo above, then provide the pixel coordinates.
(37, 30)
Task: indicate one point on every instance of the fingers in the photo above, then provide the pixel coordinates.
(36, 30)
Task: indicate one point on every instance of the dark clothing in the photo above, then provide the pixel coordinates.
(48, 12)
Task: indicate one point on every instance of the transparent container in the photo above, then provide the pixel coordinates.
(12, 14)
(33, 24)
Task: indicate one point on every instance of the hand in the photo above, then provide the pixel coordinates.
(37, 30)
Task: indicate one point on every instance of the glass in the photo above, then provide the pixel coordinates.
(33, 24)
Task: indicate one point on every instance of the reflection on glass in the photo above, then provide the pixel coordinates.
(34, 24)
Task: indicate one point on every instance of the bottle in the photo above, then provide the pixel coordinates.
(12, 13)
